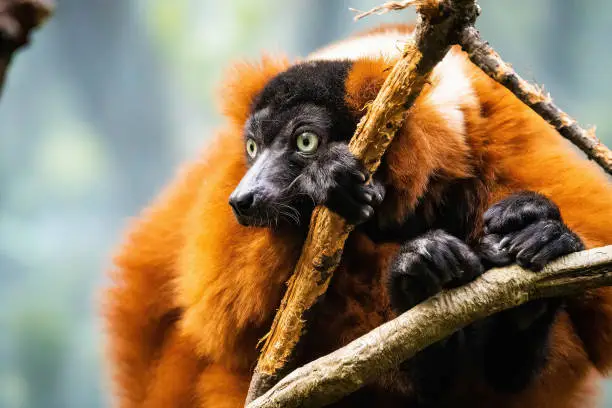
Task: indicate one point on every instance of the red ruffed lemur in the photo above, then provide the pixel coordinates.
(474, 179)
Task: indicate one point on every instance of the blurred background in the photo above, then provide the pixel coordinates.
(113, 95)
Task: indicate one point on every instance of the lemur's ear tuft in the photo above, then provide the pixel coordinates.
(243, 82)
(364, 81)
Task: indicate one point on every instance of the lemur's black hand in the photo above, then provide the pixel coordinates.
(426, 265)
(526, 228)
(338, 181)
(422, 268)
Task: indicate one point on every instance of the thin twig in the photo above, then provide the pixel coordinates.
(485, 57)
(347, 369)
(390, 6)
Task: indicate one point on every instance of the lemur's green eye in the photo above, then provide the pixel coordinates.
(251, 148)
(307, 142)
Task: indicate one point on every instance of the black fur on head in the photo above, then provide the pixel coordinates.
(319, 83)
(284, 182)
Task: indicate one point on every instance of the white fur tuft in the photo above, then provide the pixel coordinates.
(452, 90)
(387, 45)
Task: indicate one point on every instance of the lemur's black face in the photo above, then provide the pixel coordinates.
(296, 147)
(279, 147)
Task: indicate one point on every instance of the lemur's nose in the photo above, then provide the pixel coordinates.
(242, 203)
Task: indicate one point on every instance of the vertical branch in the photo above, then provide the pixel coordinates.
(438, 24)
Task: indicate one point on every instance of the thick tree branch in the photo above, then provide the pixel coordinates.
(18, 18)
(436, 31)
(342, 372)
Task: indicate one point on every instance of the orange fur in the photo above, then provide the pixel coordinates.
(221, 264)
(195, 290)
(144, 307)
(243, 82)
(432, 151)
(220, 388)
(385, 28)
(141, 308)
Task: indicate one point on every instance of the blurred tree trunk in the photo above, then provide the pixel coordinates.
(120, 85)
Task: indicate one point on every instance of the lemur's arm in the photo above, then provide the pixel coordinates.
(525, 228)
